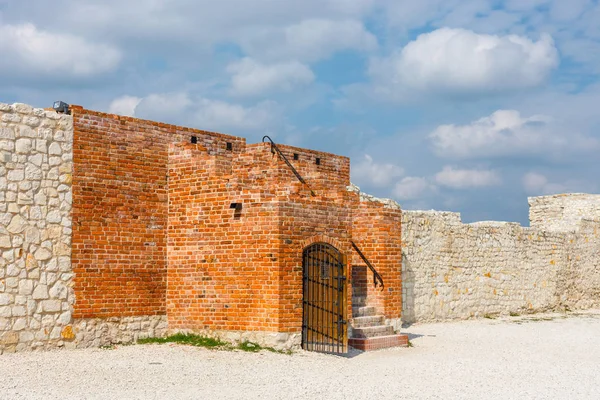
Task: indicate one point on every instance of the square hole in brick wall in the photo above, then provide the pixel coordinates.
(318, 161)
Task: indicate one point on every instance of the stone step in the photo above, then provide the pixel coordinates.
(359, 301)
(372, 331)
(362, 322)
(380, 342)
(363, 311)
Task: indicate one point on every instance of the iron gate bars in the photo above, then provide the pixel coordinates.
(324, 326)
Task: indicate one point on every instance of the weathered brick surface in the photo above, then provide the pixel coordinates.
(222, 261)
(377, 343)
(154, 231)
(120, 211)
(376, 230)
(242, 269)
(302, 223)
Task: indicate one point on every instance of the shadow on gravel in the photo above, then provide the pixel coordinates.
(352, 352)
(412, 336)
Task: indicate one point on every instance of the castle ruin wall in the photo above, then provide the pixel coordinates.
(85, 249)
(36, 279)
(563, 212)
(452, 270)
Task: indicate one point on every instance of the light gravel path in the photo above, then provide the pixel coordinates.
(485, 359)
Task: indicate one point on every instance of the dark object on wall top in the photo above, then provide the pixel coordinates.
(61, 107)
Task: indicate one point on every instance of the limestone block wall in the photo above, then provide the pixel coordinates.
(563, 212)
(581, 275)
(36, 294)
(452, 270)
(96, 332)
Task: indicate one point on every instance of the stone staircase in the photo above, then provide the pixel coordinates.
(369, 331)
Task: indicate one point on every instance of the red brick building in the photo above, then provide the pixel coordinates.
(222, 236)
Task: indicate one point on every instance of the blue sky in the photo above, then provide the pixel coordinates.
(462, 105)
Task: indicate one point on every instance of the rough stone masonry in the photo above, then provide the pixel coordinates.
(453, 270)
(114, 229)
(36, 291)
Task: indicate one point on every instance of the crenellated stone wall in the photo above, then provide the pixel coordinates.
(562, 212)
(452, 270)
(36, 293)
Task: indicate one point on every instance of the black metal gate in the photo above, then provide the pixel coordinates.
(324, 325)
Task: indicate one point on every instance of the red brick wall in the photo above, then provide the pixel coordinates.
(153, 231)
(223, 268)
(376, 230)
(120, 211)
(242, 270)
(361, 278)
(302, 223)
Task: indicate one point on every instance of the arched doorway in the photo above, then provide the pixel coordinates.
(324, 322)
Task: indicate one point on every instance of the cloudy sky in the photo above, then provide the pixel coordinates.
(462, 105)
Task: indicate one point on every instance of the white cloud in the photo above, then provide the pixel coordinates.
(379, 175)
(461, 14)
(584, 51)
(506, 133)
(25, 48)
(534, 182)
(316, 38)
(407, 14)
(495, 21)
(568, 10)
(525, 5)
(210, 114)
(305, 30)
(250, 77)
(411, 188)
(466, 178)
(215, 113)
(459, 61)
(168, 107)
(537, 184)
(124, 105)
(309, 40)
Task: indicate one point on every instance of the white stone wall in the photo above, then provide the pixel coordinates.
(453, 270)
(96, 332)
(581, 276)
(387, 203)
(36, 294)
(281, 341)
(563, 212)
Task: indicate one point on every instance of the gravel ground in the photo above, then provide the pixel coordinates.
(546, 356)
